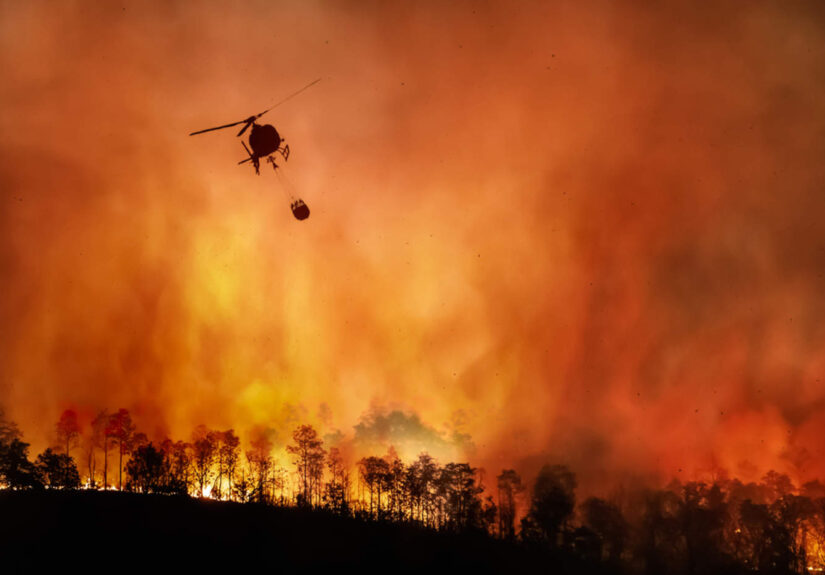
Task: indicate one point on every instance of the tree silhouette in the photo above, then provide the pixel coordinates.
(279, 481)
(509, 488)
(57, 470)
(794, 513)
(8, 428)
(139, 439)
(552, 504)
(393, 484)
(259, 457)
(660, 546)
(90, 442)
(177, 466)
(777, 484)
(421, 477)
(702, 516)
(204, 449)
(146, 470)
(242, 489)
(372, 471)
(489, 512)
(100, 438)
(16, 471)
(440, 495)
(121, 430)
(763, 537)
(308, 457)
(606, 521)
(463, 506)
(336, 491)
(68, 430)
(813, 489)
(228, 453)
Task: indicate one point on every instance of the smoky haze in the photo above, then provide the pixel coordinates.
(579, 232)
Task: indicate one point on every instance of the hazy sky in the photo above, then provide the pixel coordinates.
(582, 232)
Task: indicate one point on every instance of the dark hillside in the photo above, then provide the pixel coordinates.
(40, 529)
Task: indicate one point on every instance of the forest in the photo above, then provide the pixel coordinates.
(719, 526)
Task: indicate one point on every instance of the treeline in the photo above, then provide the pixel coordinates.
(724, 526)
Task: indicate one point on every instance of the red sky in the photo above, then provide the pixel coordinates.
(587, 232)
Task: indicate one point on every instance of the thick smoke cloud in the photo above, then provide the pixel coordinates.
(408, 435)
(584, 233)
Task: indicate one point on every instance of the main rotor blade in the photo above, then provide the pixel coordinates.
(288, 97)
(218, 128)
(251, 119)
(249, 122)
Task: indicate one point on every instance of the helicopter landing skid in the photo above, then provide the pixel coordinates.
(252, 158)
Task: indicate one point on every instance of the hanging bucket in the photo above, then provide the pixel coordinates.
(300, 210)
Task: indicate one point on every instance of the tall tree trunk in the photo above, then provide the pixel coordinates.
(91, 463)
(229, 473)
(120, 467)
(105, 463)
(220, 473)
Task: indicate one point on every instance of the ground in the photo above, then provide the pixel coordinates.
(140, 532)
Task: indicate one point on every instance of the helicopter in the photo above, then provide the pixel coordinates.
(265, 141)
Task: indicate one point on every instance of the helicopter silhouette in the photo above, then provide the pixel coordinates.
(265, 141)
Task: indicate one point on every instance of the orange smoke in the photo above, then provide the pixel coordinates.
(583, 234)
